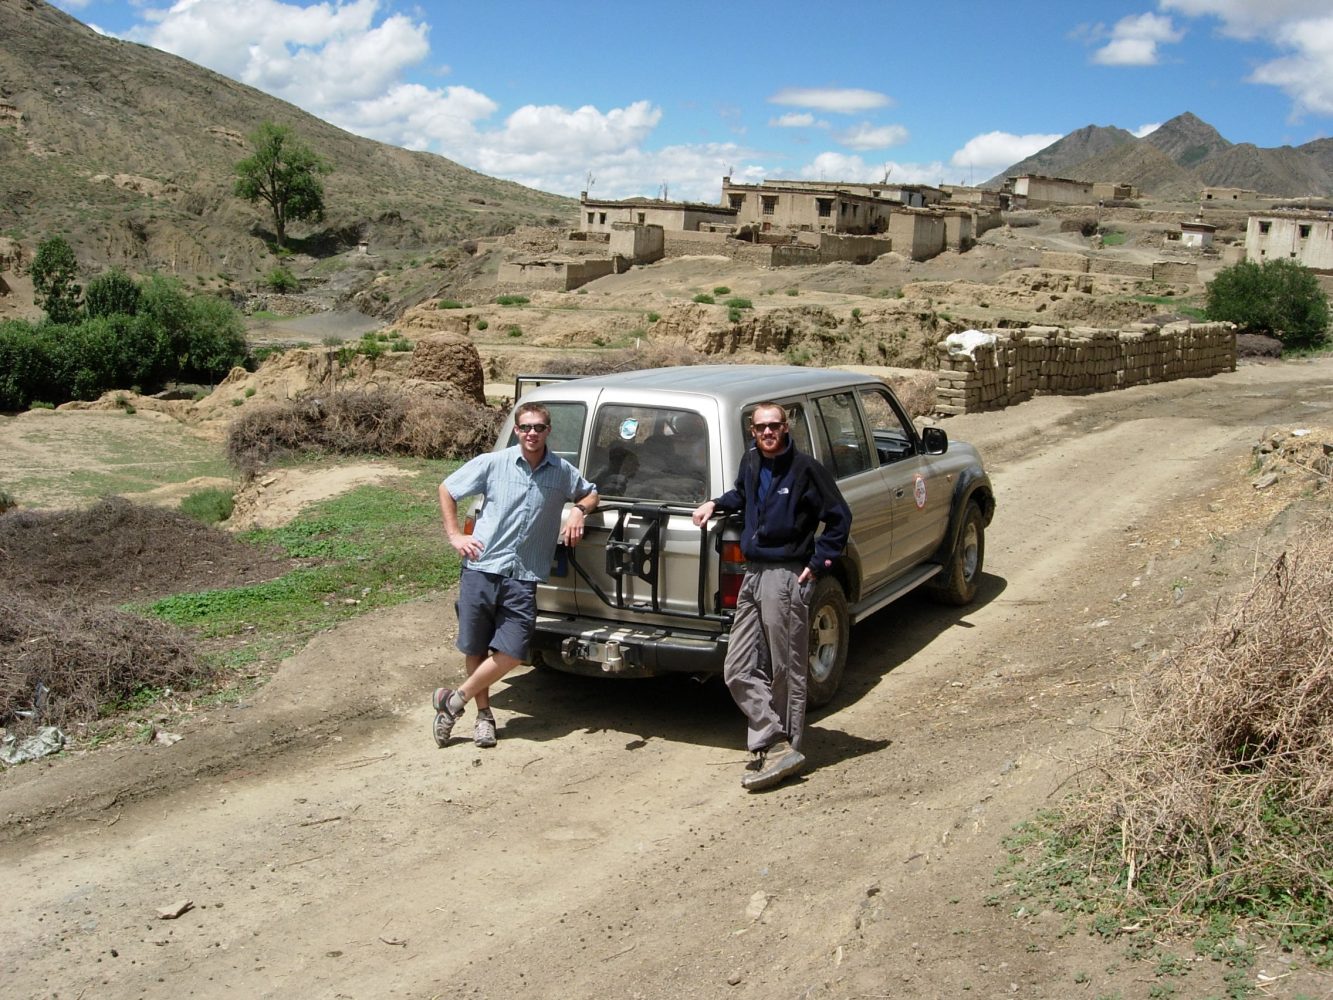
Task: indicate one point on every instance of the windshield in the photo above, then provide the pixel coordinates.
(649, 453)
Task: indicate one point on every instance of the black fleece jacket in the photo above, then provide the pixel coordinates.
(782, 528)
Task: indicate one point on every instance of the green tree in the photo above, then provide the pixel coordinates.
(1278, 297)
(54, 269)
(284, 173)
(111, 293)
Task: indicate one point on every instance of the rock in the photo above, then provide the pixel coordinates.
(735, 979)
(1265, 481)
(175, 909)
(758, 904)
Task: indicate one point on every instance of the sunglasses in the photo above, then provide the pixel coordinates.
(775, 425)
(532, 428)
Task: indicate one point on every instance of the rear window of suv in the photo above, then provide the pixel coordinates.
(649, 453)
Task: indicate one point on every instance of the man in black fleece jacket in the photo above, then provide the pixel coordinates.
(784, 495)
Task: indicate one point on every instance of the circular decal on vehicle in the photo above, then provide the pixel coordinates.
(919, 491)
(628, 428)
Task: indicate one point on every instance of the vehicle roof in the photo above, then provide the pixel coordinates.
(730, 385)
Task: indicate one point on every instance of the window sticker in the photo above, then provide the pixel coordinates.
(628, 428)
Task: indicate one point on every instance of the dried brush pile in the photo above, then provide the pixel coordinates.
(362, 422)
(65, 663)
(1220, 795)
(629, 359)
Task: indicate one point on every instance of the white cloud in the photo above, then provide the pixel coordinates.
(834, 167)
(692, 173)
(867, 136)
(843, 101)
(1146, 129)
(1135, 40)
(793, 120)
(1301, 29)
(991, 152)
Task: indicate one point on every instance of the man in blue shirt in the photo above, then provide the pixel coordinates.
(785, 495)
(508, 553)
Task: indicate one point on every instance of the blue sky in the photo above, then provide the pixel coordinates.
(653, 98)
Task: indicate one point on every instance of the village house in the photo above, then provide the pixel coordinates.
(1197, 234)
(820, 207)
(599, 216)
(1305, 238)
(1228, 194)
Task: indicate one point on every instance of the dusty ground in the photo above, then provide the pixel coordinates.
(605, 848)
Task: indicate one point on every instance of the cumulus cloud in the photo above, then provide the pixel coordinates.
(867, 136)
(1135, 40)
(1146, 129)
(843, 101)
(1301, 29)
(793, 119)
(991, 152)
(835, 167)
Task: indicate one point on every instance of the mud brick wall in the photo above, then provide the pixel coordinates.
(1109, 265)
(1172, 271)
(679, 243)
(1052, 261)
(1167, 271)
(1035, 361)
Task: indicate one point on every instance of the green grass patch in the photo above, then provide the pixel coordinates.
(739, 303)
(481, 324)
(703, 298)
(374, 547)
(1113, 238)
(449, 304)
(511, 300)
(210, 505)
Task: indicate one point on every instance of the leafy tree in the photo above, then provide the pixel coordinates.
(284, 173)
(1278, 297)
(112, 293)
(54, 269)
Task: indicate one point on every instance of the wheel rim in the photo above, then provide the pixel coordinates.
(971, 550)
(825, 640)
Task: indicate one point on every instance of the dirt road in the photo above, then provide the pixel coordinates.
(606, 848)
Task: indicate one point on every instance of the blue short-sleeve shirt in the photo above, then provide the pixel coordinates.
(520, 522)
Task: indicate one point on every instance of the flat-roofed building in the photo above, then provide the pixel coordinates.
(599, 216)
(1307, 239)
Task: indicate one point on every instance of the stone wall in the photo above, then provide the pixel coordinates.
(1043, 360)
(552, 275)
(1166, 271)
(681, 244)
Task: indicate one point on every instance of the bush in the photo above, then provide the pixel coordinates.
(449, 304)
(481, 324)
(112, 293)
(654, 317)
(511, 300)
(703, 298)
(53, 271)
(721, 290)
(209, 506)
(739, 304)
(1278, 297)
(281, 280)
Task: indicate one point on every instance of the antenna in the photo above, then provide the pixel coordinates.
(591, 180)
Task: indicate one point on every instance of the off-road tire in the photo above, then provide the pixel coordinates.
(830, 628)
(957, 584)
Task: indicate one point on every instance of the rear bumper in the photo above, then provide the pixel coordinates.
(601, 648)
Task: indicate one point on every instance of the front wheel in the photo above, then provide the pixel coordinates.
(958, 582)
(830, 628)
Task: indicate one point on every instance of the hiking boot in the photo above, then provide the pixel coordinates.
(781, 761)
(756, 761)
(484, 734)
(445, 717)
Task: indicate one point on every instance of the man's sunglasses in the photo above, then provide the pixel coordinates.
(532, 428)
(775, 425)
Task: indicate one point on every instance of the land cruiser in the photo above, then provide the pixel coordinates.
(647, 592)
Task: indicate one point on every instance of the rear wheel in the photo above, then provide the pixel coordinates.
(830, 628)
(958, 583)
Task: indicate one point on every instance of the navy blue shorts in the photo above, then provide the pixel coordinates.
(495, 612)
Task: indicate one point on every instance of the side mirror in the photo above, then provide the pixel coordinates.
(935, 440)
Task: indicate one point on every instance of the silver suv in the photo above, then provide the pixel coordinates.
(647, 592)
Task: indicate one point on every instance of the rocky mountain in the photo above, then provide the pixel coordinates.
(128, 152)
(1181, 157)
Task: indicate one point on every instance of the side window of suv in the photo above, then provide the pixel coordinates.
(893, 437)
(849, 452)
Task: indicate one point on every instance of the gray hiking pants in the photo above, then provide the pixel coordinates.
(768, 657)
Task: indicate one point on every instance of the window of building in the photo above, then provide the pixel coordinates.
(737, 201)
(825, 207)
(589, 216)
(602, 218)
(642, 216)
(1264, 227)
(770, 204)
(1305, 232)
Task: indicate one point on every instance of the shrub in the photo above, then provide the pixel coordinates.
(703, 298)
(721, 290)
(1278, 297)
(515, 331)
(511, 300)
(734, 315)
(7, 501)
(856, 313)
(653, 317)
(793, 291)
(739, 304)
(281, 280)
(481, 324)
(449, 304)
(209, 506)
(110, 293)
